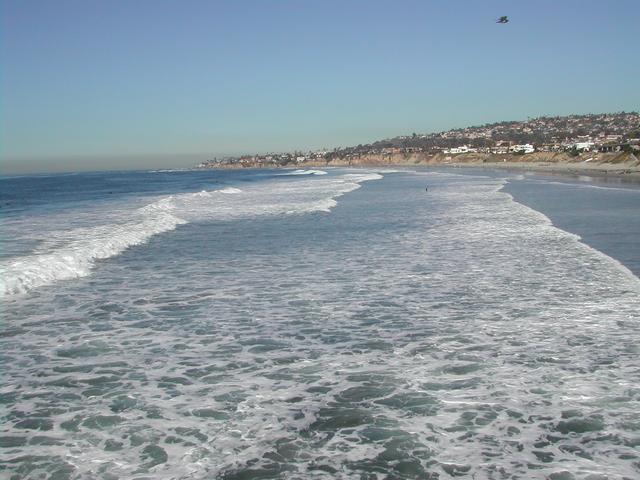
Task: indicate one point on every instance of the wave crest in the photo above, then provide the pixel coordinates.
(305, 172)
(72, 253)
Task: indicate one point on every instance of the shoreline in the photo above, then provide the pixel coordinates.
(630, 175)
(619, 165)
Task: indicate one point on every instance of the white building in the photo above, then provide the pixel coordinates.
(585, 146)
(525, 148)
(462, 149)
(499, 150)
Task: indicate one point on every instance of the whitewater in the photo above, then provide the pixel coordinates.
(75, 250)
(343, 324)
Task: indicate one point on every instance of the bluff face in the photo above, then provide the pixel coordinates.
(620, 162)
(606, 141)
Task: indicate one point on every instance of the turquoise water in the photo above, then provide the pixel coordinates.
(337, 324)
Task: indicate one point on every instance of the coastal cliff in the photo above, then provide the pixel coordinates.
(613, 163)
(608, 143)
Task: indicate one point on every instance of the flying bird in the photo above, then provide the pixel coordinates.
(503, 19)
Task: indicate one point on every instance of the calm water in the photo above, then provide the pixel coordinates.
(338, 324)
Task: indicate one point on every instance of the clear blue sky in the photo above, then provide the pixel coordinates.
(102, 84)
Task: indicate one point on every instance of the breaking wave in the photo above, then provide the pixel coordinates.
(75, 251)
(305, 172)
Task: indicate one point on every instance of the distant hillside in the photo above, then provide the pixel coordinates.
(570, 135)
(546, 133)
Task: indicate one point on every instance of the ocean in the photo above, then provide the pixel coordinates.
(334, 323)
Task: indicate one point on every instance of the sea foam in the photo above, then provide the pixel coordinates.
(88, 245)
(73, 252)
(455, 334)
(305, 172)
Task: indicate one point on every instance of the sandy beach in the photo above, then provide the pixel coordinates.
(623, 171)
(621, 165)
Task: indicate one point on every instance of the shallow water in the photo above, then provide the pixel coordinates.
(604, 212)
(347, 325)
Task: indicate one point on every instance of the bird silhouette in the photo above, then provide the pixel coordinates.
(503, 19)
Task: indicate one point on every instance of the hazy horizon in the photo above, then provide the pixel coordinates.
(89, 86)
(78, 163)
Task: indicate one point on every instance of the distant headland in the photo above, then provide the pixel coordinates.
(605, 143)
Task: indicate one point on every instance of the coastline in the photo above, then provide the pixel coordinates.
(623, 171)
(611, 165)
(603, 172)
(619, 165)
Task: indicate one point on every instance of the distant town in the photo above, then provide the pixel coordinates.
(574, 134)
